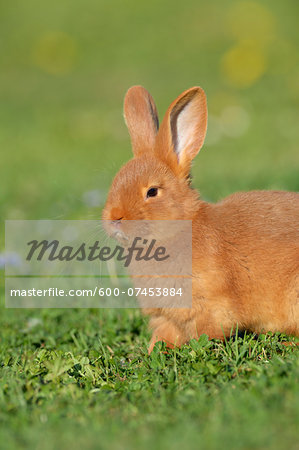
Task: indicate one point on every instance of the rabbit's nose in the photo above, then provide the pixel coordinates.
(117, 232)
(116, 222)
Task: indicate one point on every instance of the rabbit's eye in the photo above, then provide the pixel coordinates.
(152, 192)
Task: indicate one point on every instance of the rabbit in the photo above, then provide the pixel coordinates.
(245, 249)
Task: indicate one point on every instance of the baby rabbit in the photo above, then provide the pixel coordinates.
(245, 249)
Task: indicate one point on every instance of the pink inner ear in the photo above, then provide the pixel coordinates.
(188, 124)
(186, 127)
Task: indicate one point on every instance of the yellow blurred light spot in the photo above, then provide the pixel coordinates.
(244, 64)
(55, 53)
(251, 20)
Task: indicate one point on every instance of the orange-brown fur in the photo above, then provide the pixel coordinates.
(245, 262)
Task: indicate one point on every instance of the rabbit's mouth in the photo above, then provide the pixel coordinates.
(124, 231)
(120, 236)
(114, 231)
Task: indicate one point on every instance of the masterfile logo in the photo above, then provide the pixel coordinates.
(82, 264)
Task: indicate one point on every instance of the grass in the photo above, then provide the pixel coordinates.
(82, 378)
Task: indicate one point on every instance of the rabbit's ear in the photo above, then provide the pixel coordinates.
(142, 119)
(183, 130)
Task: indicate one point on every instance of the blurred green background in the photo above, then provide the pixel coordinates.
(83, 377)
(65, 67)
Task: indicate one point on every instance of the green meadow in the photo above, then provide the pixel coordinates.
(75, 378)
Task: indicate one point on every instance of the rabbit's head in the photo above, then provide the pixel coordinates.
(155, 184)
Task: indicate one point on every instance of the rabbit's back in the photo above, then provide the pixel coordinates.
(246, 259)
